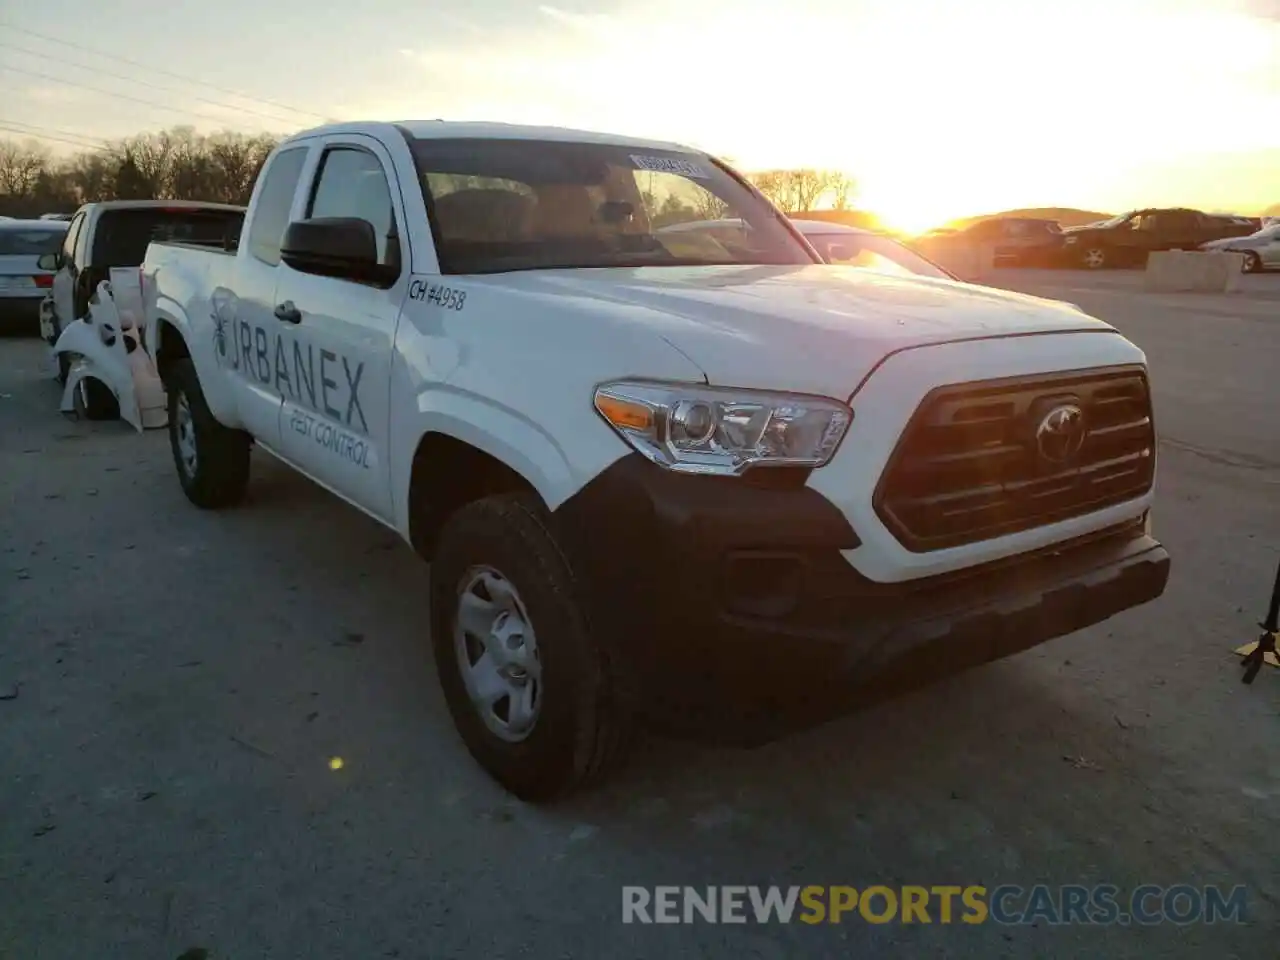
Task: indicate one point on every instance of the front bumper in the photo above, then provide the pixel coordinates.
(729, 612)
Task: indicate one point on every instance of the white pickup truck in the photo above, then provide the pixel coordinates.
(698, 481)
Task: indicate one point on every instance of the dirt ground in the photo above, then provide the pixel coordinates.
(176, 684)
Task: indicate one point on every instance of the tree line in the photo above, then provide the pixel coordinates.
(181, 164)
(177, 164)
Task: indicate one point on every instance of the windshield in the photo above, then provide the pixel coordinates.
(30, 241)
(874, 253)
(500, 205)
(1113, 222)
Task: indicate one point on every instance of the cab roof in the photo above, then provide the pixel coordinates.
(484, 130)
(159, 205)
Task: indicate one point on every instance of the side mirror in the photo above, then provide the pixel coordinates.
(343, 247)
(49, 261)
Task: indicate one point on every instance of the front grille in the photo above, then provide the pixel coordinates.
(969, 466)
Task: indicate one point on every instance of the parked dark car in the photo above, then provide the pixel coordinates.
(1015, 241)
(1126, 240)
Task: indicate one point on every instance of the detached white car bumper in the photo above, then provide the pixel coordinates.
(116, 358)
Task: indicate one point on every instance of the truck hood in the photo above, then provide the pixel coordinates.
(818, 329)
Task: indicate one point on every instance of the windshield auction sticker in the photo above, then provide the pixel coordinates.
(685, 168)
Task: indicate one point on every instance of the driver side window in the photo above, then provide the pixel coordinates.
(351, 183)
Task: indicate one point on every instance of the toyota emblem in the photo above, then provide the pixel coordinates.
(1061, 433)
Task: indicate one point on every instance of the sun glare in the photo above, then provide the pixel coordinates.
(938, 110)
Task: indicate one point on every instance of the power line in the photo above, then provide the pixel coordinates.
(154, 86)
(113, 93)
(54, 130)
(168, 73)
(48, 136)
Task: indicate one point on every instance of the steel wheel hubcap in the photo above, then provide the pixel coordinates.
(1094, 258)
(497, 654)
(186, 436)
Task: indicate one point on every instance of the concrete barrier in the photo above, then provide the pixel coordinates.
(1237, 280)
(1193, 271)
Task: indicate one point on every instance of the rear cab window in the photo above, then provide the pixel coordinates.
(122, 235)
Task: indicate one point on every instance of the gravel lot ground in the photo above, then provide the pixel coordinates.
(175, 684)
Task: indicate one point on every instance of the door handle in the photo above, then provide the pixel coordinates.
(287, 313)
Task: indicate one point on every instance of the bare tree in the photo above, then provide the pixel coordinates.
(131, 182)
(709, 206)
(191, 170)
(806, 188)
(93, 176)
(20, 166)
(776, 185)
(841, 189)
(235, 161)
(152, 156)
(794, 191)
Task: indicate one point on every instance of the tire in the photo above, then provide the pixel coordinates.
(218, 473)
(95, 401)
(1095, 258)
(1252, 263)
(577, 732)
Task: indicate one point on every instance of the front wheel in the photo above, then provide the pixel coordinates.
(1095, 258)
(212, 460)
(528, 687)
(1252, 263)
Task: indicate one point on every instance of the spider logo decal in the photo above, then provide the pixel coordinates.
(220, 334)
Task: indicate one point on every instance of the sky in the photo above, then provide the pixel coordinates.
(938, 108)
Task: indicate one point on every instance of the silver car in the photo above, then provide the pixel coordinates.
(1261, 250)
(28, 251)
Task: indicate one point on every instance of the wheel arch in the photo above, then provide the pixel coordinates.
(445, 474)
(169, 347)
(170, 338)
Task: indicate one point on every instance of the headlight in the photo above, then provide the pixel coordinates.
(710, 430)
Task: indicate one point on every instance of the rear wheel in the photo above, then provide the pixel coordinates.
(1252, 263)
(528, 687)
(212, 460)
